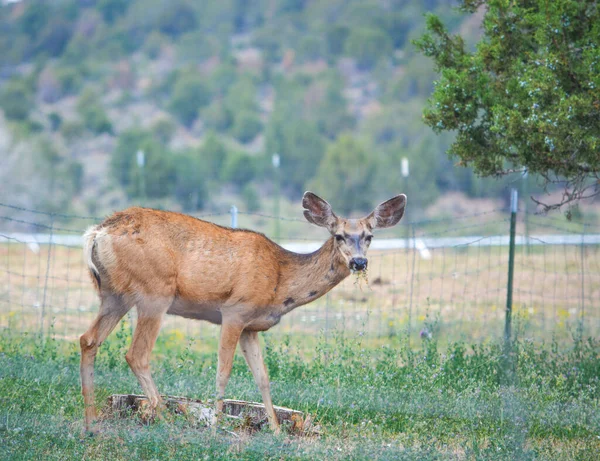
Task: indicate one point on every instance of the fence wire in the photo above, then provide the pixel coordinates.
(445, 278)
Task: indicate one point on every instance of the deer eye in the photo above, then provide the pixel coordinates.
(340, 238)
(368, 238)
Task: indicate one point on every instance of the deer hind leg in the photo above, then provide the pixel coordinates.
(250, 346)
(150, 315)
(112, 309)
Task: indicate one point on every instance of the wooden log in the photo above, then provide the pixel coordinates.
(245, 415)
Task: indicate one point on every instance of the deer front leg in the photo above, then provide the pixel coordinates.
(230, 335)
(250, 346)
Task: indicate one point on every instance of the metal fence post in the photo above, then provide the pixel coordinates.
(514, 197)
(234, 216)
(48, 261)
(412, 280)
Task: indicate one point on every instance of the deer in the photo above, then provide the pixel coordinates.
(165, 262)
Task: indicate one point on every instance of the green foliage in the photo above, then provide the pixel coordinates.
(191, 189)
(75, 175)
(527, 97)
(55, 121)
(179, 17)
(111, 10)
(251, 198)
(311, 48)
(163, 130)
(212, 156)
(368, 45)
(123, 157)
(34, 18)
(331, 113)
(241, 95)
(72, 130)
(218, 116)
(190, 93)
(70, 78)
(154, 43)
(239, 169)
(16, 99)
(335, 37)
(55, 36)
(301, 149)
(93, 114)
(246, 126)
(156, 178)
(345, 174)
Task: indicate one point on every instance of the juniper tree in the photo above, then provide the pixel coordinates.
(527, 98)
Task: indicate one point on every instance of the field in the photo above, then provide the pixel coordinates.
(460, 292)
(410, 365)
(371, 403)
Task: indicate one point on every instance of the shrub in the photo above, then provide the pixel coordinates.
(93, 114)
(16, 100)
(55, 121)
(367, 45)
(189, 95)
(239, 169)
(251, 198)
(191, 189)
(246, 126)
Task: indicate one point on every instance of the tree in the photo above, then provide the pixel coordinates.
(93, 114)
(112, 9)
(301, 147)
(246, 126)
(528, 97)
(191, 189)
(16, 99)
(347, 174)
(367, 45)
(189, 94)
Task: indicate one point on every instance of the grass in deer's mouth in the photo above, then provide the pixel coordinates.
(361, 276)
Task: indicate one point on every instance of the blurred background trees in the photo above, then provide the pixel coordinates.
(209, 91)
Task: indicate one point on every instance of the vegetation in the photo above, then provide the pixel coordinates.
(527, 98)
(294, 78)
(385, 403)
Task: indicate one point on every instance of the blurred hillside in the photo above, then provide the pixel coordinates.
(209, 91)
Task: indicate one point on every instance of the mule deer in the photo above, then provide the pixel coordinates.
(170, 263)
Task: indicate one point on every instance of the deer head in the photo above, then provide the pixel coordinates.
(353, 236)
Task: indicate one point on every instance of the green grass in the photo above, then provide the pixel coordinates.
(385, 403)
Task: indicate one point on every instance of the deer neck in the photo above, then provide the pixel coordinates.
(306, 277)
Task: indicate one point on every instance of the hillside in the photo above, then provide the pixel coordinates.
(208, 91)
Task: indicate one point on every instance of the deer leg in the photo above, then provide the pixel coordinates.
(230, 335)
(250, 346)
(138, 355)
(112, 309)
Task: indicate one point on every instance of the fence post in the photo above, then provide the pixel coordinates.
(234, 216)
(43, 311)
(514, 199)
(582, 308)
(412, 280)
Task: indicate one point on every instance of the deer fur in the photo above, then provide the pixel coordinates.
(170, 263)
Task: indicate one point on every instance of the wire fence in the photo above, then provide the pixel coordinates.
(445, 278)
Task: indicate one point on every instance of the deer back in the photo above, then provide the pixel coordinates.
(148, 252)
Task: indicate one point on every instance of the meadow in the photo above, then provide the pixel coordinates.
(389, 402)
(410, 365)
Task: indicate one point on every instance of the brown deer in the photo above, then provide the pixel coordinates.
(170, 263)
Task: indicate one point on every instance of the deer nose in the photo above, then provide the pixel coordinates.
(358, 264)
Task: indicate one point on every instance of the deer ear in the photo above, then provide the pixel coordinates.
(388, 213)
(318, 211)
